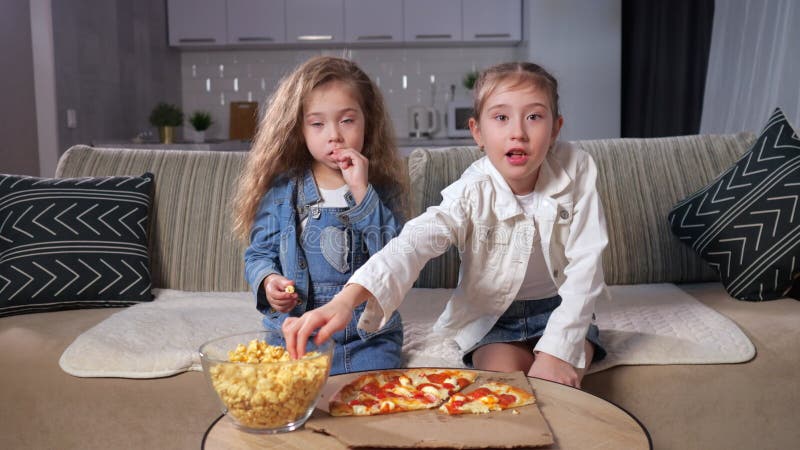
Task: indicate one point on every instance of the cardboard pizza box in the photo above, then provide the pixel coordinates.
(524, 428)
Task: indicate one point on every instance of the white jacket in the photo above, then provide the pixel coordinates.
(481, 216)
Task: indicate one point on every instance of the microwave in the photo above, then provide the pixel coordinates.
(458, 114)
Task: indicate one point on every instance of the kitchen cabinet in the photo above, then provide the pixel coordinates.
(432, 20)
(315, 21)
(373, 21)
(256, 22)
(495, 21)
(196, 22)
(311, 23)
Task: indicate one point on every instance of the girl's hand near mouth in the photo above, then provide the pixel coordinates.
(355, 171)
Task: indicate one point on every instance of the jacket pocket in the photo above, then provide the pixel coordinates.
(335, 244)
(273, 320)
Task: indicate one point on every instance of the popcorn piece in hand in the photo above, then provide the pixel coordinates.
(289, 289)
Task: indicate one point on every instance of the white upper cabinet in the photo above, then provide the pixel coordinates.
(432, 20)
(196, 22)
(312, 23)
(492, 21)
(373, 21)
(315, 21)
(256, 22)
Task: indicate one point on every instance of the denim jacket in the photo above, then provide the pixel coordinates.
(480, 215)
(274, 236)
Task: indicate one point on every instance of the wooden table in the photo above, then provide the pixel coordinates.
(577, 419)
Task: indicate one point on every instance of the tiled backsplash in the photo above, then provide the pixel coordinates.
(407, 77)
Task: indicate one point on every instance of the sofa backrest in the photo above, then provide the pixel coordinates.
(639, 180)
(191, 246)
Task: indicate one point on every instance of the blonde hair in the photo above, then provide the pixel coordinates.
(518, 74)
(279, 146)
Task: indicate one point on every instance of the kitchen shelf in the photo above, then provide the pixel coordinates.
(213, 146)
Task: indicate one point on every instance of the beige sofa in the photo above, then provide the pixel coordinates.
(748, 405)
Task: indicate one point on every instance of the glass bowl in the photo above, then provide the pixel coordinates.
(265, 397)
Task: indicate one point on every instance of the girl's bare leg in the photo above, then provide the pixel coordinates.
(503, 357)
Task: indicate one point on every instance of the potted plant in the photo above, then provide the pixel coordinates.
(469, 79)
(166, 117)
(200, 121)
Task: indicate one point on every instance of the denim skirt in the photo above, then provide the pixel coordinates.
(524, 321)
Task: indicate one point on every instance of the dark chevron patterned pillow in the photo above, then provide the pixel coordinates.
(68, 243)
(746, 223)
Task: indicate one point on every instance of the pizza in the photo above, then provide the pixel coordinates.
(491, 396)
(393, 391)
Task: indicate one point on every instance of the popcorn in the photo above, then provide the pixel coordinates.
(271, 390)
(289, 289)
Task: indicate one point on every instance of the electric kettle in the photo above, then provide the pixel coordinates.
(423, 121)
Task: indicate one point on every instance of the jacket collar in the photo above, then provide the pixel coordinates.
(506, 205)
(310, 193)
(552, 181)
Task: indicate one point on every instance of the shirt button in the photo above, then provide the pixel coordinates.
(344, 218)
(302, 263)
(564, 214)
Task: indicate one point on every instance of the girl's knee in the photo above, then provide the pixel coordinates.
(502, 357)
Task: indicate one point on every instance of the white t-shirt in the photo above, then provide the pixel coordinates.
(331, 198)
(537, 283)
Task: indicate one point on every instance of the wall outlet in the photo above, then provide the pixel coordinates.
(72, 118)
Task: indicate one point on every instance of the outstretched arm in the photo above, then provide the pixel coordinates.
(325, 320)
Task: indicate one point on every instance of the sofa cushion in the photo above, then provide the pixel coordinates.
(746, 222)
(69, 243)
(192, 247)
(639, 180)
(429, 172)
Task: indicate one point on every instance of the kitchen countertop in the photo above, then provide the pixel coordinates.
(406, 145)
(211, 145)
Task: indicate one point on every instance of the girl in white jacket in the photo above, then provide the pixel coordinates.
(530, 231)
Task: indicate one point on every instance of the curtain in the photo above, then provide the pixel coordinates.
(665, 47)
(754, 65)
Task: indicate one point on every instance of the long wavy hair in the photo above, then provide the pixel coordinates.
(279, 146)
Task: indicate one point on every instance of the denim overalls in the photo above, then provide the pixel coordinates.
(334, 243)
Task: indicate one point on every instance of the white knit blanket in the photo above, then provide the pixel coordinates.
(642, 324)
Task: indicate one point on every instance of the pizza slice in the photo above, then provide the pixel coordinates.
(381, 393)
(441, 382)
(491, 396)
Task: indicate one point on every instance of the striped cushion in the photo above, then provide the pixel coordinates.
(191, 244)
(639, 181)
